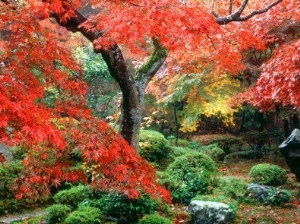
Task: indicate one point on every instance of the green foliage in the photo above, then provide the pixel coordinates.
(73, 196)
(213, 151)
(249, 154)
(231, 187)
(152, 145)
(233, 204)
(84, 215)
(11, 205)
(176, 151)
(189, 175)
(228, 143)
(57, 213)
(124, 209)
(9, 171)
(154, 219)
(268, 174)
(278, 197)
(103, 91)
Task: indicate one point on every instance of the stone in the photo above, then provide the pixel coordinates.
(290, 148)
(208, 212)
(258, 192)
(5, 153)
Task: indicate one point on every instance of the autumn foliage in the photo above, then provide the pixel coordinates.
(31, 63)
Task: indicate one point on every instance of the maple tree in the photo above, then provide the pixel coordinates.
(32, 61)
(186, 34)
(277, 65)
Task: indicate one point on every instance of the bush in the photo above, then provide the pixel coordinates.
(268, 174)
(154, 219)
(213, 151)
(124, 209)
(189, 175)
(249, 154)
(57, 213)
(176, 151)
(228, 143)
(152, 145)
(231, 187)
(73, 196)
(9, 171)
(278, 197)
(233, 204)
(84, 214)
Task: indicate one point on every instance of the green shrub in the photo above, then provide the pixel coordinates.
(57, 213)
(84, 215)
(233, 204)
(152, 145)
(176, 151)
(268, 174)
(213, 151)
(154, 219)
(249, 154)
(231, 187)
(73, 196)
(189, 175)
(11, 205)
(228, 143)
(278, 197)
(124, 209)
(9, 171)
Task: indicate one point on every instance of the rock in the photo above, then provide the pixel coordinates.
(290, 148)
(5, 153)
(258, 192)
(208, 212)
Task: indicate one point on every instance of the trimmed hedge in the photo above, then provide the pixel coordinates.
(152, 145)
(268, 174)
(189, 175)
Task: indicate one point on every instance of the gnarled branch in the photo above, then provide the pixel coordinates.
(237, 15)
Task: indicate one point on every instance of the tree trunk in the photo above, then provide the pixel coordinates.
(133, 86)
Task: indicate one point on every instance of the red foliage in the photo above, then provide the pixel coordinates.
(31, 62)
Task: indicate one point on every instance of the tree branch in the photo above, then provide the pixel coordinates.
(230, 6)
(153, 64)
(236, 16)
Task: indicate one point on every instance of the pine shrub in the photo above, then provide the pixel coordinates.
(152, 145)
(268, 174)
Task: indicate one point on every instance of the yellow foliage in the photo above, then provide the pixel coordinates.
(210, 100)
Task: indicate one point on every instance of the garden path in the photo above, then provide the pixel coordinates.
(21, 216)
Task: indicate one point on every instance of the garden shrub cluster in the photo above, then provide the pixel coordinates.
(268, 174)
(153, 145)
(188, 176)
(80, 203)
(213, 151)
